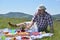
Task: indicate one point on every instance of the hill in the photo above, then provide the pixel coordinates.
(23, 15)
(57, 16)
(16, 15)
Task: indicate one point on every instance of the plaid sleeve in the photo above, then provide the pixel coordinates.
(50, 20)
(34, 18)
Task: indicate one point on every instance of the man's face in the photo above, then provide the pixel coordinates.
(41, 11)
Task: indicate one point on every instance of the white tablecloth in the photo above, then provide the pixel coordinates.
(33, 37)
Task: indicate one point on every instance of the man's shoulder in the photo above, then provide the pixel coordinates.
(48, 14)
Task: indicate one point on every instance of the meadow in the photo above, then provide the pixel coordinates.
(4, 24)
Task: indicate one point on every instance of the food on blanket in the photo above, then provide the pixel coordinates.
(14, 38)
(23, 29)
(25, 38)
(18, 31)
(35, 33)
(23, 34)
(10, 35)
(5, 32)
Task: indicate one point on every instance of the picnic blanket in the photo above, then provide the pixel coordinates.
(33, 37)
(19, 37)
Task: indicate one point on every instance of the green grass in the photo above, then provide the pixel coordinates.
(4, 24)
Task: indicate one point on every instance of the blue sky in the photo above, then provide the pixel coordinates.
(29, 6)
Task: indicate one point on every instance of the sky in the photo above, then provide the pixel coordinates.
(29, 6)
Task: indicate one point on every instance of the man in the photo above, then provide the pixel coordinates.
(42, 19)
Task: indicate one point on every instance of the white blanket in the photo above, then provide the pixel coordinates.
(42, 35)
(33, 28)
(33, 37)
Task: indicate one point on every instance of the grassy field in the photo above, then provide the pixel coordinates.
(4, 24)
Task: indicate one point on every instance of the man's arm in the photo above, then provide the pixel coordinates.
(50, 23)
(33, 21)
(30, 25)
(51, 29)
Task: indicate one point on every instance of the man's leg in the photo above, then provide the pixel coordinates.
(16, 25)
(20, 24)
(46, 30)
(12, 24)
(39, 29)
(42, 29)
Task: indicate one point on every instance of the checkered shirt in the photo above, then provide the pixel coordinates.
(44, 20)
